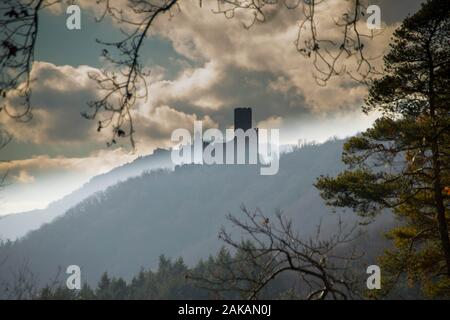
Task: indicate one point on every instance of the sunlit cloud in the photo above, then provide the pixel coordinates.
(23, 177)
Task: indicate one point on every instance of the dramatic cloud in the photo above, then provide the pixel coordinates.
(227, 48)
(221, 55)
(227, 65)
(60, 94)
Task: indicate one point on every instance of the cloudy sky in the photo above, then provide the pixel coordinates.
(202, 66)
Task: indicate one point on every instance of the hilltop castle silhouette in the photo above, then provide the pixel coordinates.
(243, 121)
(242, 118)
(243, 133)
(238, 146)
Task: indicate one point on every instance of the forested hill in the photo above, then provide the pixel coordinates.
(177, 214)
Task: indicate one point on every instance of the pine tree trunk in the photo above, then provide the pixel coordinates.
(439, 200)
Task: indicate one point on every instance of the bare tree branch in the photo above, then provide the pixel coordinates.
(19, 22)
(125, 83)
(272, 248)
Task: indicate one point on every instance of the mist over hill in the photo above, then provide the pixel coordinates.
(17, 225)
(179, 214)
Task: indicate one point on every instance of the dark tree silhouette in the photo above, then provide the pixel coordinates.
(401, 162)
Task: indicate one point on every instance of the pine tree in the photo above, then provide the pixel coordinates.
(402, 163)
(103, 291)
(86, 293)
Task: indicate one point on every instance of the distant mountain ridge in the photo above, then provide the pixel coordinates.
(17, 225)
